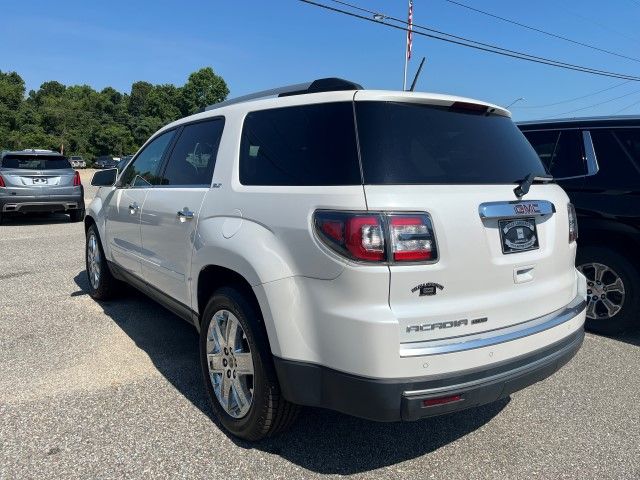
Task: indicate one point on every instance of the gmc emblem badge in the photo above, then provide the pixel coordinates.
(526, 208)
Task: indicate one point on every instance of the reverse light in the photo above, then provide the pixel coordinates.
(76, 179)
(411, 238)
(573, 223)
(377, 236)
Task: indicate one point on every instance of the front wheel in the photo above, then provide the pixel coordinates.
(102, 285)
(238, 369)
(613, 288)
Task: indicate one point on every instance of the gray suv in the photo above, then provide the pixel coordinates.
(39, 181)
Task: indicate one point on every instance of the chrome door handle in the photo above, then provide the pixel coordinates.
(133, 208)
(185, 214)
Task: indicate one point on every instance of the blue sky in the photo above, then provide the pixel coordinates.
(261, 44)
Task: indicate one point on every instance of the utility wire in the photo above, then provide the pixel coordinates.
(544, 32)
(575, 98)
(438, 35)
(597, 104)
(627, 107)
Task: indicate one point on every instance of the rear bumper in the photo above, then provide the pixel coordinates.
(403, 399)
(50, 203)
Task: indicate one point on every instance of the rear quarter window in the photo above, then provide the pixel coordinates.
(302, 145)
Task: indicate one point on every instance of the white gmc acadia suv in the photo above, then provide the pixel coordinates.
(389, 255)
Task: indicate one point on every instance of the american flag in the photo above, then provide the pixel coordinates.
(410, 31)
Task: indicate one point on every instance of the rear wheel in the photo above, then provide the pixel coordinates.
(613, 287)
(238, 368)
(102, 285)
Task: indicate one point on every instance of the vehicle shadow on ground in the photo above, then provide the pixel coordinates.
(321, 441)
(632, 338)
(20, 220)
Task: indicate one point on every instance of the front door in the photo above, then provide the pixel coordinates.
(125, 206)
(170, 213)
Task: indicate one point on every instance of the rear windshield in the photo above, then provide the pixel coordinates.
(402, 143)
(35, 162)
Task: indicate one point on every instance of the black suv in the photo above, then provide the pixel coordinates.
(597, 162)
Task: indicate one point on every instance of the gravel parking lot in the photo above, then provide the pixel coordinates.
(114, 390)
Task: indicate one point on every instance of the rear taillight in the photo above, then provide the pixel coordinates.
(573, 223)
(76, 179)
(2, 184)
(358, 236)
(377, 236)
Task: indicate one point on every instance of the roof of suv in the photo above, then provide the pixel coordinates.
(323, 91)
(604, 121)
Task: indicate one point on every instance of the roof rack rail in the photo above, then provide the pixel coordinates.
(321, 85)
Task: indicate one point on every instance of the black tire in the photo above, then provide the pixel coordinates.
(624, 319)
(269, 412)
(107, 286)
(77, 215)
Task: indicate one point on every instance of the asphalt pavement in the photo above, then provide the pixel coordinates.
(114, 390)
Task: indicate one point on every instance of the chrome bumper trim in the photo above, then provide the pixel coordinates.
(494, 337)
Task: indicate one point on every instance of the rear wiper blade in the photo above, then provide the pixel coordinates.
(523, 185)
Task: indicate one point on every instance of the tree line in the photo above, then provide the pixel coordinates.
(86, 122)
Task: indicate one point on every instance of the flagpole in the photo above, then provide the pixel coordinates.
(406, 53)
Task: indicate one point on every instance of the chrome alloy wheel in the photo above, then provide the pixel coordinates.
(605, 290)
(93, 260)
(230, 363)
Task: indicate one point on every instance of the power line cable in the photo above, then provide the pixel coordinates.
(544, 32)
(626, 108)
(438, 35)
(575, 98)
(597, 104)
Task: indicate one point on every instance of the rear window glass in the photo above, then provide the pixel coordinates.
(404, 143)
(35, 162)
(302, 145)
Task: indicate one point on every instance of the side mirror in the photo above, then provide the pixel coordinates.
(105, 178)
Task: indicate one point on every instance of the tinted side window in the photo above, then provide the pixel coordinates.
(144, 169)
(560, 151)
(615, 150)
(544, 143)
(306, 145)
(194, 154)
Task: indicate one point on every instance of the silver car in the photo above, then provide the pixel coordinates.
(39, 181)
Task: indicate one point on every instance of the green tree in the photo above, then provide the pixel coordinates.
(92, 123)
(203, 88)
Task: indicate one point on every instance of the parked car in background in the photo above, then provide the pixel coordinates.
(77, 161)
(597, 162)
(39, 181)
(105, 161)
(333, 252)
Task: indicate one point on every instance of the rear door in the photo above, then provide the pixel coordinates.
(38, 176)
(500, 261)
(170, 212)
(125, 206)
